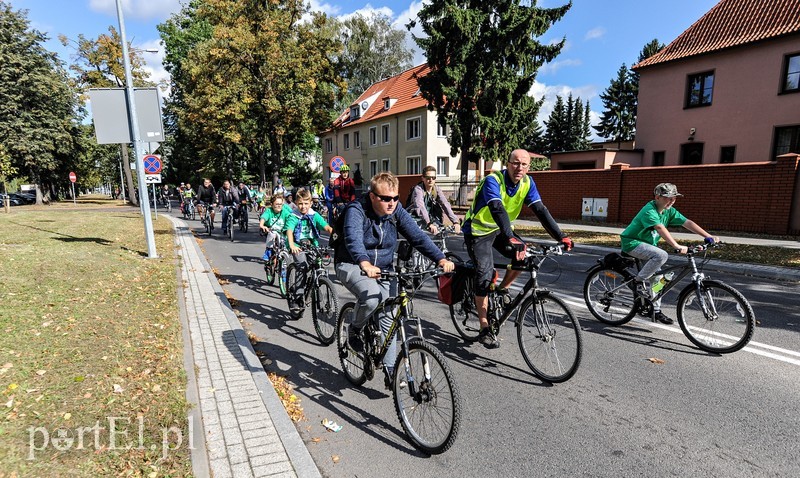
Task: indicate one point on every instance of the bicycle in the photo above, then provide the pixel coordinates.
(548, 334)
(426, 399)
(318, 288)
(244, 220)
(165, 202)
(206, 218)
(227, 213)
(712, 314)
(411, 260)
(275, 266)
(189, 211)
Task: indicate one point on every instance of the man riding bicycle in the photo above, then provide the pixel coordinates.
(641, 237)
(428, 204)
(244, 193)
(207, 197)
(229, 200)
(368, 245)
(498, 201)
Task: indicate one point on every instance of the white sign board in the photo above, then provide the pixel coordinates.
(152, 179)
(110, 114)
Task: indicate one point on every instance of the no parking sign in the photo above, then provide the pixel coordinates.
(336, 163)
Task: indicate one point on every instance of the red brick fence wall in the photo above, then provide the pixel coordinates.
(740, 197)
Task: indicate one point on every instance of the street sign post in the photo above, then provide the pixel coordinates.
(336, 163)
(72, 178)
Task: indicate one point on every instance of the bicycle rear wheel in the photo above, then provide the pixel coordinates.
(230, 225)
(354, 362)
(426, 398)
(549, 338)
(324, 308)
(715, 317)
(209, 224)
(606, 300)
(464, 314)
(243, 219)
(270, 266)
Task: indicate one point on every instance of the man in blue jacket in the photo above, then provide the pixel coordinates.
(370, 232)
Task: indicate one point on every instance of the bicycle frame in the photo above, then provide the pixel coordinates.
(684, 270)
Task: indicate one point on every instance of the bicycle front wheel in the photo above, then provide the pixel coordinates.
(291, 292)
(715, 316)
(230, 225)
(426, 398)
(270, 266)
(353, 359)
(464, 314)
(608, 297)
(549, 338)
(324, 308)
(283, 262)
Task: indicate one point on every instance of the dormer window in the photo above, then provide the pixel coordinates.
(355, 112)
(387, 103)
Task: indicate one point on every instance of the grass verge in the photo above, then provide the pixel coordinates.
(91, 369)
(764, 255)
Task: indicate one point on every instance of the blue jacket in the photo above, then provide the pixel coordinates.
(368, 237)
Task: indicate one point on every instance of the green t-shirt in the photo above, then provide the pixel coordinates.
(276, 221)
(642, 228)
(305, 227)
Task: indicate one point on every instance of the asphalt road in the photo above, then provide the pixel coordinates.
(620, 415)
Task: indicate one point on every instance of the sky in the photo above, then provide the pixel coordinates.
(600, 35)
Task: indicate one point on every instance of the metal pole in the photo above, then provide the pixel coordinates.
(137, 146)
(74, 203)
(155, 200)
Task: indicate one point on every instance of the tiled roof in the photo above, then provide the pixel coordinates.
(402, 87)
(732, 23)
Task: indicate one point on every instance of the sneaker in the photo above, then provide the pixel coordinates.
(505, 295)
(487, 338)
(659, 316)
(354, 339)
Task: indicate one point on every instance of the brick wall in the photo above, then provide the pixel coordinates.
(741, 197)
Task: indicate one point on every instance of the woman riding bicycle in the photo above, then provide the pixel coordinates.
(640, 238)
(272, 222)
(368, 245)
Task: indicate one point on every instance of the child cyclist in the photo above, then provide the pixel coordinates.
(272, 222)
(303, 225)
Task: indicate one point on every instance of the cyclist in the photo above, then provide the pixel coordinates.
(303, 225)
(328, 194)
(498, 201)
(260, 198)
(273, 221)
(318, 190)
(207, 197)
(649, 225)
(428, 204)
(368, 243)
(344, 189)
(279, 189)
(187, 196)
(228, 199)
(244, 196)
(165, 194)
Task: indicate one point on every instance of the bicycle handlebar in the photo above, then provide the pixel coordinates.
(702, 248)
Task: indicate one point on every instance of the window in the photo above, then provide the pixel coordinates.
(791, 75)
(787, 140)
(441, 165)
(385, 166)
(658, 158)
(699, 89)
(413, 165)
(373, 136)
(355, 112)
(385, 133)
(346, 141)
(412, 129)
(727, 154)
(373, 167)
(691, 153)
(387, 103)
(357, 139)
(328, 145)
(441, 129)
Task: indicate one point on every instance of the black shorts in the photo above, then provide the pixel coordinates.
(479, 249)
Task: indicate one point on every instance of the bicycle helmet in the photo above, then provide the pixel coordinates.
(344, 168)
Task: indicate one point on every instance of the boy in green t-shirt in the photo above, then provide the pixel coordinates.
(641, 237)
(301, 226)
(273, 222)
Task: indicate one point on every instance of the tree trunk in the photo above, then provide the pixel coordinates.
(466, 153)
(126, 166)
(262, 167)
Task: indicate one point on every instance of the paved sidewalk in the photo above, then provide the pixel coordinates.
(246, 429)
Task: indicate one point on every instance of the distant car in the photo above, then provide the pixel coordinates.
(23, 199)
(14, 201)
(29, 195)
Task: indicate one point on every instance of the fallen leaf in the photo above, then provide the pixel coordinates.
(10, 402)
(87, 395)
(118, 388)
(41, 372)
(67, 416)
(335, 458)
(316, 440)
(656, 360)
(156, 388)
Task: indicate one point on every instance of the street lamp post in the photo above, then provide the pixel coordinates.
(137, 146)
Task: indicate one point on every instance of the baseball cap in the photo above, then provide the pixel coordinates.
(667, 190)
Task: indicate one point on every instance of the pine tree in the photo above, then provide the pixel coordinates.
(557, 128)
(618, 121)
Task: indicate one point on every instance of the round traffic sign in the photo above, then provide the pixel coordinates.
(72, 177)
(336, 163)
(152, 164)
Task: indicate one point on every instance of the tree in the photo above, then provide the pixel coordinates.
(618, 121)
(567, 126)
(38, 108)
(98, 63)
(373, 50)
(557, 134)
(483, 57)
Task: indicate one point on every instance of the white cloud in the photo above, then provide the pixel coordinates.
(140, 9)
(549, 92)
(554, 66)
(595, 33)
(154, 64)
(327, 8)
(412, 13)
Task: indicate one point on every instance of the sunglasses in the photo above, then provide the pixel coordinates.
(430, 178)
(386, 198)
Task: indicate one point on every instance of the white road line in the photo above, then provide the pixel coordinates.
(752, 347)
